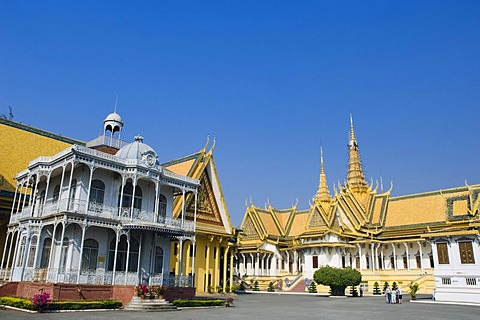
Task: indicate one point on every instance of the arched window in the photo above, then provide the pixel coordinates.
(162, 212)
(97, 192)
(90, 254)
(21, 252)
(47, 248)
(56, 193)
(127, 196)
(158, 260)
(122, 255)
(63, 253)
(73, 189)
(41, 199)
(32, 252)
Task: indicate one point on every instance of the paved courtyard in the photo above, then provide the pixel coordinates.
(284, 306)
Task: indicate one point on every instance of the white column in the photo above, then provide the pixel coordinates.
(14, 199)
(35, 259)
(408, 257)
(120, 210)
(26, 191)
(4, 251)
(382, 258)
(115, 257)
(60, 192)
(194, 240)
(33, 197)
(89, 187)
(394, 258)
(14, 262)
(61, 251)
(140, 254)
(26, 252)
(157, 200)
(133, 197)
(69, 196)
(84, 228)
(46, 191)
(373, 258)
(180, 259)
(183, 206)
(360, 257)
(421, 254)
(53, 248)
(128, 256)
(295, 261)
(19, 198)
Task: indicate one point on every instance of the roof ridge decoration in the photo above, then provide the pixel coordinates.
(323, 194)
(355, 177)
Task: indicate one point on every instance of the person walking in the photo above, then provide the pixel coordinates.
(361, 290)
(399, 292)
(388, 294)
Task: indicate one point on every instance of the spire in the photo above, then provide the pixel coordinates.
(355, 178)
(322, 194)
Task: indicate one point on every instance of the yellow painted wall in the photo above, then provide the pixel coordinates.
(18, 147)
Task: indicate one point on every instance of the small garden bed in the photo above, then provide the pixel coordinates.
(58, 305)
(203, 302)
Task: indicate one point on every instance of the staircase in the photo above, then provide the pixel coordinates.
(138, 304)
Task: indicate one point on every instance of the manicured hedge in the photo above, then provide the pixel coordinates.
(61, 305)
(16, 302)
(198, 303)
(80, 305)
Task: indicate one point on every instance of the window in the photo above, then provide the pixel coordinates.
(158, 260)
(56, 193)
(442, 252)
(21, 252)
(343, 262)
(64, 252)
(127, 196)
(97, 192)
(73, 189)
(367, 261)
(392, 262)
(419, 262)
(32, 251)
(89, 255)
(162, 212)
(466, 252)
(405, 262)
(357, 262)
(47, 248)
(122, 255)
(315, 261)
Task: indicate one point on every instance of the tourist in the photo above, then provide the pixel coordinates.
(388, 294)
(399, 295)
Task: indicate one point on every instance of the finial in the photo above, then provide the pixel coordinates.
(116, 102)
(138, 138)
(352, 133)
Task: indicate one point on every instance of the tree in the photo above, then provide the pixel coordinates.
(255, 286)
(414, 287)
(338, 279)
(376, 288)
(394, 286)
(270, 287)
(312, 288)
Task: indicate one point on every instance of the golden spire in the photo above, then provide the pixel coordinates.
(355, 179)
(322, 194)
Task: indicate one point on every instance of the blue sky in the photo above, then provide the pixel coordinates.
(271, 80)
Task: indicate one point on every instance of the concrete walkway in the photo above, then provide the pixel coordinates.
(283, 306)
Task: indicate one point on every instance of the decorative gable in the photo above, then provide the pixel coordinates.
(248, 228)
(316, 220)
(207, 207)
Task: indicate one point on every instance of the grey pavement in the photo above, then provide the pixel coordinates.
(283, 306)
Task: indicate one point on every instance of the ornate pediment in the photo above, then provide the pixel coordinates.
(248, 228)
(207, 206)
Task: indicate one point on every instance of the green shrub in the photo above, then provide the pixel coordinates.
(62, 305)
(198, 303)
(270, 287)
(312, 288)
(255, 286)
(17, 302)
(376, 288)
(82, 305)
(394, 286)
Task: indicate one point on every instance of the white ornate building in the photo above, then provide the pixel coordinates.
(101, 218)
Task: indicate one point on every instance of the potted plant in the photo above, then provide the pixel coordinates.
(160, 291)
(142, 291)
(414, 287)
